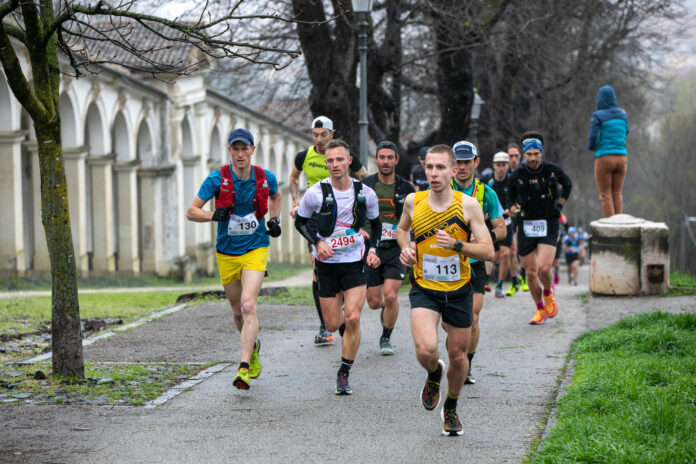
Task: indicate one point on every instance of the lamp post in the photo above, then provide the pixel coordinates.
(363, 7)
(475, 113)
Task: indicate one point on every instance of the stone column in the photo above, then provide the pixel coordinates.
(103, 259)
(152, 215)
(41, 261)
(75, 173)
(194, 232)
(12, 259)
(128, 227)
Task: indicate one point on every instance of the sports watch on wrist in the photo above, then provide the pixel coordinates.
(458, 244)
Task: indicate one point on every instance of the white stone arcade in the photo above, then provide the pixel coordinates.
(136, 151)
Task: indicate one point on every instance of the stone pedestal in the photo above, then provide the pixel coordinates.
(629, 256)
(12, 259)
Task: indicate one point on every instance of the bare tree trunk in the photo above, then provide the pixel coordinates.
(65, 309)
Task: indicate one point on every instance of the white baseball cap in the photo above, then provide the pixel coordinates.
(501, 157)
(322, 122)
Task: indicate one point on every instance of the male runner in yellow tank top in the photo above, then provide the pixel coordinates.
(442, 221)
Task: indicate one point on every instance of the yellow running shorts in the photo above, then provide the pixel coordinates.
(231, 267)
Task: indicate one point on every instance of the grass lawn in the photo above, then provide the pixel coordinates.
(276, 271)
(29, 314)
(105, 383)
(682, 284)
(633, 395)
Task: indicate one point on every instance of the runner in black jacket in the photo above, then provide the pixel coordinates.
(534, 188)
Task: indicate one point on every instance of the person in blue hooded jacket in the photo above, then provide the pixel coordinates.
(608, 131)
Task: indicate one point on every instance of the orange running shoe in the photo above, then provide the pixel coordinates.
(551, 305)
(539, 317)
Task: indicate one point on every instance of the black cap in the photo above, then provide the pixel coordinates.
(387, 144)
(423, 152)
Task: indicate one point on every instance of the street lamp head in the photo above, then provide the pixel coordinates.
(476, 106)
(362, 6)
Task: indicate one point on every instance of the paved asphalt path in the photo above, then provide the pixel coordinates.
(291, 414)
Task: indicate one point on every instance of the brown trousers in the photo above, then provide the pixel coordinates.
(610, 172)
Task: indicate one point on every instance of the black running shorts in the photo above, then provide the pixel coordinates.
(507, 241)
(527, 245)
(390, 267)
(479, 278)
(456, 307)
(334, 277)
(570, 257)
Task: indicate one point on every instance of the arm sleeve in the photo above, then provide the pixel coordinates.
(594, 132)
(356, 165)
(565, 182)
(513, 188)
(299, 159)
(301, 226)
(375, 231)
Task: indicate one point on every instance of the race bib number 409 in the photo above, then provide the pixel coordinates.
(441, 269)
(342, 240)
(535, 228)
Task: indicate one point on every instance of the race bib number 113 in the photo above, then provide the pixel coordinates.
(441, 269)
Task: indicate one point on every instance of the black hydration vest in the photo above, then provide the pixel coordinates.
(326, 218)
(401, 190)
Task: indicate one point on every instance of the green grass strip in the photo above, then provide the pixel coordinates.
(105, 383)
(26, 314)
(633, 395)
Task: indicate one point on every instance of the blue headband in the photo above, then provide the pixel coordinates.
(528, 144)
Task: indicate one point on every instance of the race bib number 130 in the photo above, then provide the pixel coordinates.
(441, 269)
(242, 225)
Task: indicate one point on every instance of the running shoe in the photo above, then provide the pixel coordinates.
(514, 288)
(469, 379)
(323, 337)
(430, 395)
(385, 347)
(450, 423)
(524, 287)
(342, 384)
(488, 288)
(499, 292)
(556, 278)
(539, 317)
(551, 305)
(254, 361)
(241, 381)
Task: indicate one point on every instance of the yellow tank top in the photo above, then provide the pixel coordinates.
(314, 167)
(438, 268)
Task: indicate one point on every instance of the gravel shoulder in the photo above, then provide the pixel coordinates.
(291, 413)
